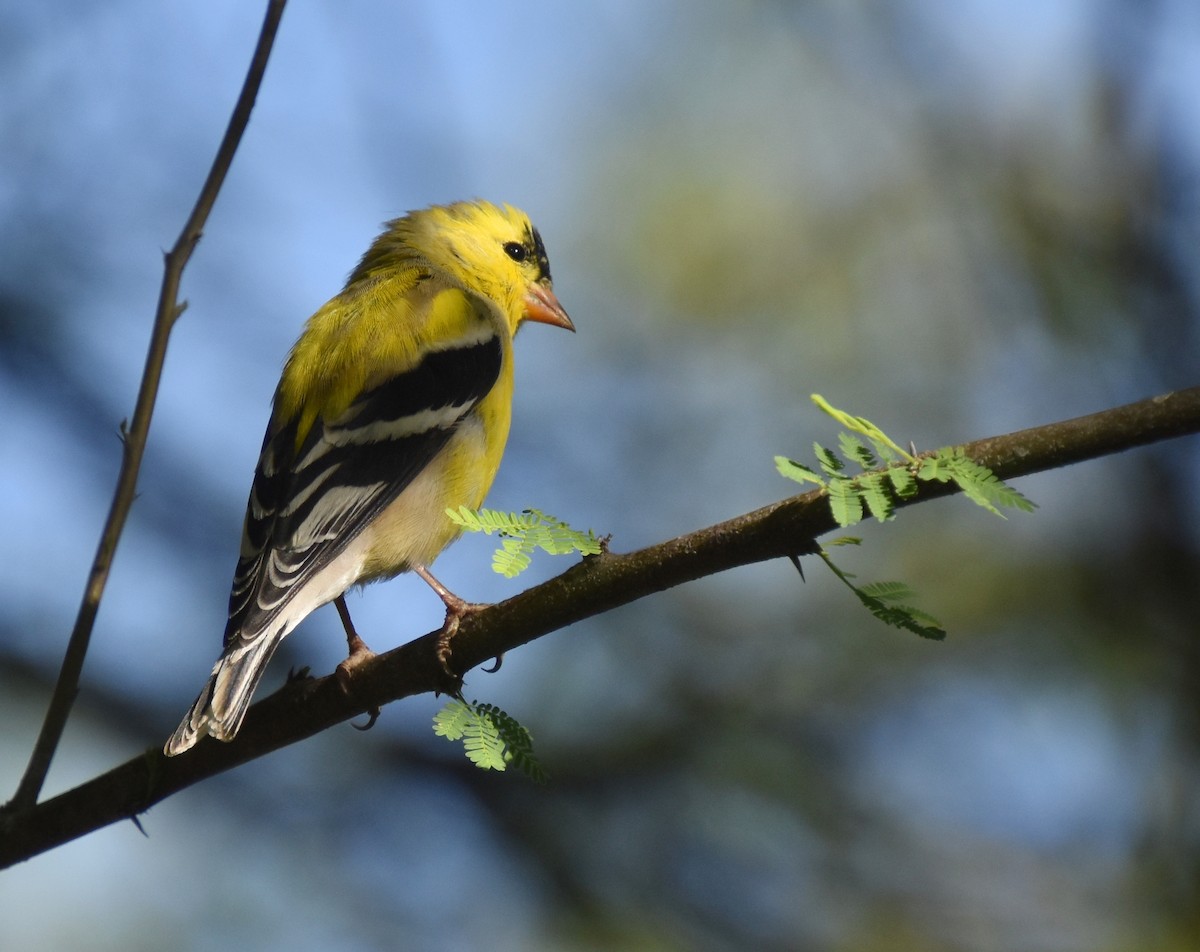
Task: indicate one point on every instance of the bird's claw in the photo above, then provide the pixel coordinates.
(456, 611)
(499, 660)
(442, 648)
(344, 672)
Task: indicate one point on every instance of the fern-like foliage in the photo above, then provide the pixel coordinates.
(904, 482)
(889, 474)
(845, 501)
(875, 490)
(978, 483)
(887, 601)
(797, 472)
(491, 738)
(522, 534)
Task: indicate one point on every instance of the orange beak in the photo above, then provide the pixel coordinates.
(542, 307)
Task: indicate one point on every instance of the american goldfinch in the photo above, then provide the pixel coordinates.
(393, 406)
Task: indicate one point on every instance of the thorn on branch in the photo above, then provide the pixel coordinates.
(795, 559)
(451, 687)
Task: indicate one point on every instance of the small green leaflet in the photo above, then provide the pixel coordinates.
(845, 502)
(873, 490)
(797, 471)
(854, 448)
(828, 460)
(904, 483)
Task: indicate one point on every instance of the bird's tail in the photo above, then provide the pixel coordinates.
(221, 706)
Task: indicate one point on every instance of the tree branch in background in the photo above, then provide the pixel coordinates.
(134, 436)
(595, 585)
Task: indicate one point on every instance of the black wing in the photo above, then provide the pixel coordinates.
(307, 504)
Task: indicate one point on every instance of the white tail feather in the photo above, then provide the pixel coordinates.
(222, 705)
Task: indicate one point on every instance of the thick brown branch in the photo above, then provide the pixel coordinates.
(135, 435)
(597, 584)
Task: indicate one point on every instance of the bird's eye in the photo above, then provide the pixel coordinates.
(517, 251)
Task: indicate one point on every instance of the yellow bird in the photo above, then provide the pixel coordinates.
(393, 406)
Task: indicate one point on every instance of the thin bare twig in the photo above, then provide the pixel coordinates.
(304, 707)
(134, 436)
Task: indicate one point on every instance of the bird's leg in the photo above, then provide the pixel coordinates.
(456, 606)
(358, 652)
(456, 609)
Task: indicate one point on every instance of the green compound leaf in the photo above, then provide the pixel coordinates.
(886, 601)
(491, 738)
(489, 520)
(483, 745)
(797, 471)
(873, 490)
(828, 460)
(877, 489)
(904, 483)
(512, 558)
(845, 502)
(854, 449)
(934, 468)
(977, 482)
(518, 742)
(452, 720)
(890, 592)
(891, 473)
(523, 534)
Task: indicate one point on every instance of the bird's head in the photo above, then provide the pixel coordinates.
(494, 251)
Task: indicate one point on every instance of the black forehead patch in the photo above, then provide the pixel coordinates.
(539, 254)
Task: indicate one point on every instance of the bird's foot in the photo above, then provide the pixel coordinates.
(359, 655)
(344, 672)
(456, 610)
